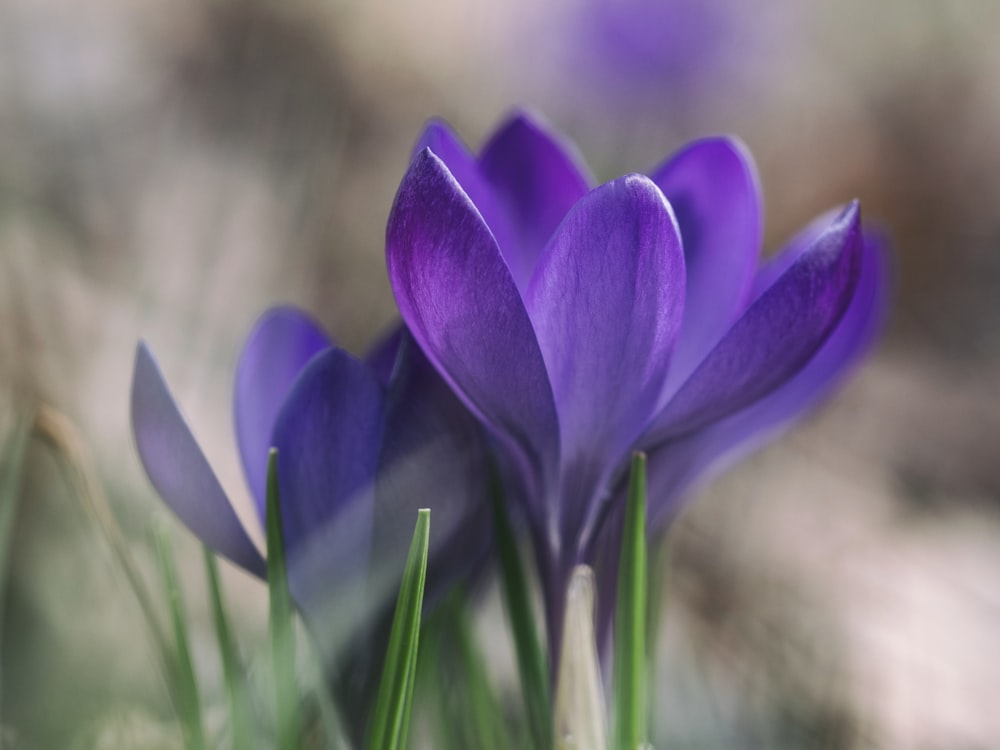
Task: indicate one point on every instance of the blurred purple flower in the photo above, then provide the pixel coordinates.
(580, 324)
(361, 446)
(637, 47)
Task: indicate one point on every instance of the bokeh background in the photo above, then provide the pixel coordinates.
(169, 170)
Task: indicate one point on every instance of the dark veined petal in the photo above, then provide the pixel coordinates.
(282, 341)
(433, 456)
(178, 469)
(458, 299)
(675, 466)
(442, 141)
(713, 188)
(384, 353)
(328, 435)
(536, 179)
(772, 269)
(606, 301)
(776, 336)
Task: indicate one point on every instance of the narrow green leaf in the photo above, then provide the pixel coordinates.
(232, 669)
(531, 662)
(12, 460)
(484, 711)
(453, 682)
(329, 720)
(75, 464)
(286, 686)
(630, 618)
(392, 708)
(185, 683)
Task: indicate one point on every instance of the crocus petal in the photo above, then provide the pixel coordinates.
(281, 343)
(458, 299)
(536, 179)
(772, 269)
(775, 337)
(328, 435)
(713, 188)
(607, 300)
(178, 469)
(433, 456)
(382, 356)
(442, 141)
(676, 465)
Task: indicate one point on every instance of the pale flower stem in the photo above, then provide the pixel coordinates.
(579, 707)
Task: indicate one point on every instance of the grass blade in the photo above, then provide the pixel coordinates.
(186, 684)
(12, 460)
(395, 695)
(630, 618)
(232, 669)
(484, 711)
(74, 462)
(531, 662)
(282, 629)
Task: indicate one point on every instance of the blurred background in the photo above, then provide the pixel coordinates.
(169, 170)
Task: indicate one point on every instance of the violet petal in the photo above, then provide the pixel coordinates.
(676, 465)
(328, 436)
(606, 301)
(178, 469)
(536, 180)
(282, 341)
(384, 353)
(776, 336)
(713, 188)
(433, 456)
(458, 299)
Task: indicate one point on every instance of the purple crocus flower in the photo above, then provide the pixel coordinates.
(581, 323)
(648, 48)
(361, 446)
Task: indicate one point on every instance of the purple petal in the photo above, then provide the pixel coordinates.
(382, 356)
(460, 303)
(607, 301)
(442, 141)
(178, 469)
(433, 456)
(775, 337)
(713, 187)
(535, 180)
(676, 465)
(281, 343)
(772, 269)
(328, 436)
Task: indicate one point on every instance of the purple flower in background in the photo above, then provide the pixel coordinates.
(361, 446)
(579, 324)
(640, 59)
(638, 47)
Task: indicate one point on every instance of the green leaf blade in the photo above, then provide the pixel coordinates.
(281, 618)
(12, 460)
(184, 684)
(395, 695)
(531, 662)
(232, 669)
(631, 618)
